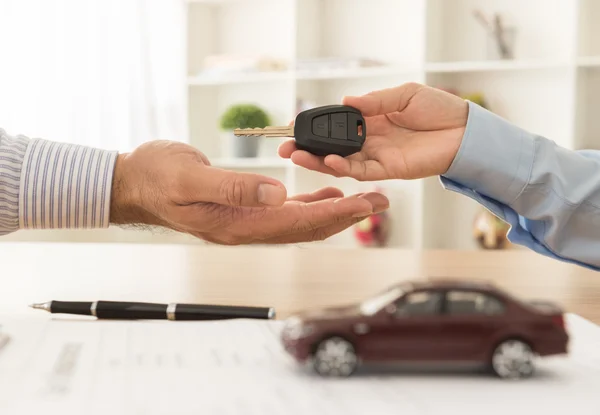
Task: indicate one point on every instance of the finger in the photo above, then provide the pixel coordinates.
(379, 203)
(311, 162)
(233, 226)
(286, 149)
(368, 170)
(383, 101)
(259, 223)
(208, 216)
(296, 218)
(319, 234)
(224, 187)
(203, 158)
(325, 193)
(305, 159)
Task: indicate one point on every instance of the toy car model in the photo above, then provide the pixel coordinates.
(430, 321)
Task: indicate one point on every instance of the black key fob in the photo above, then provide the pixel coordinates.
(331, 129)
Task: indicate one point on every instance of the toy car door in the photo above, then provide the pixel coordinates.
(469, 322)
(406, 330)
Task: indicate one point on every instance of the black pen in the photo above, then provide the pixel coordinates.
(117, 310)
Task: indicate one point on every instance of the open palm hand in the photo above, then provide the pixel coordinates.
(413, 131)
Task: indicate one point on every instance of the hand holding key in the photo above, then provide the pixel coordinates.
(412, 131)
(332, 129)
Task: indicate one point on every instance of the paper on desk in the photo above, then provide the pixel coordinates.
(238, 367)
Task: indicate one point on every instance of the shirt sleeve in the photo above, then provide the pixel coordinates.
(549, 195)
(52, 185)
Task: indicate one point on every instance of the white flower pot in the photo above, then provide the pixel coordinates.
(243, 146)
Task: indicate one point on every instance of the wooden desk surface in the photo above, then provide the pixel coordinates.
(287, 278)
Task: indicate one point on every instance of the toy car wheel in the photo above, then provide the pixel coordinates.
(335, 356)
(513, 359)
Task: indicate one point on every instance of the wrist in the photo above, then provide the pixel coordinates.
(454, 111)
(451, 147)
(125, 202)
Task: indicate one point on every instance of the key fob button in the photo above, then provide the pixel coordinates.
(339, 126)
(320, 126)
(354, 122)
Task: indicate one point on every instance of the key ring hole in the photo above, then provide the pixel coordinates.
(359, 128)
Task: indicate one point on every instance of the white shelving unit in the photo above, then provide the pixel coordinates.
(551, 87)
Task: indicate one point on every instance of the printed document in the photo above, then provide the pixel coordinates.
(233, 367)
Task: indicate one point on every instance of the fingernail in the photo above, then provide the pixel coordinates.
(379, 202)
(271, 195)
(380, 208)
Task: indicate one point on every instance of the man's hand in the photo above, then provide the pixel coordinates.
(413, 131)
(173, 185)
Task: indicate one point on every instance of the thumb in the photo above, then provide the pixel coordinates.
(235, 189)
(383, 101)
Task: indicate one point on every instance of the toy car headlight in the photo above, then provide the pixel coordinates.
(296, 329)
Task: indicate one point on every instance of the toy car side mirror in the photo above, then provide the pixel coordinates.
(391, 310)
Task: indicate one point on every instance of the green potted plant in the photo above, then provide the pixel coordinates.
(244, 115)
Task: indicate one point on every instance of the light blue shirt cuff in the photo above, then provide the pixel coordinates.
(495, 158)
(493, 167)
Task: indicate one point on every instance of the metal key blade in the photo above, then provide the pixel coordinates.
(266, 132)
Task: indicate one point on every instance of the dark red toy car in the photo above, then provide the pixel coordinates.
(430, 321)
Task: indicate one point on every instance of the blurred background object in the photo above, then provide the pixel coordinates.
(374, 230)
(477, 98)
(115, 73)
(489, 231)
(500, 37)
(244, 116)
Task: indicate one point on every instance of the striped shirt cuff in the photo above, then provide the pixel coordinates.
(65, 186)
(12, 153)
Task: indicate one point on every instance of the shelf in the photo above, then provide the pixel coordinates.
(229, 79)
(374, 72)
(550, 88)
(367, 72)
(217, 2)
(252, 163)
(537, 101)
(492, 66)
(588, 61)
(265, 77)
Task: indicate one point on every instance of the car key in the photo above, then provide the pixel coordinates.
(330, 129)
